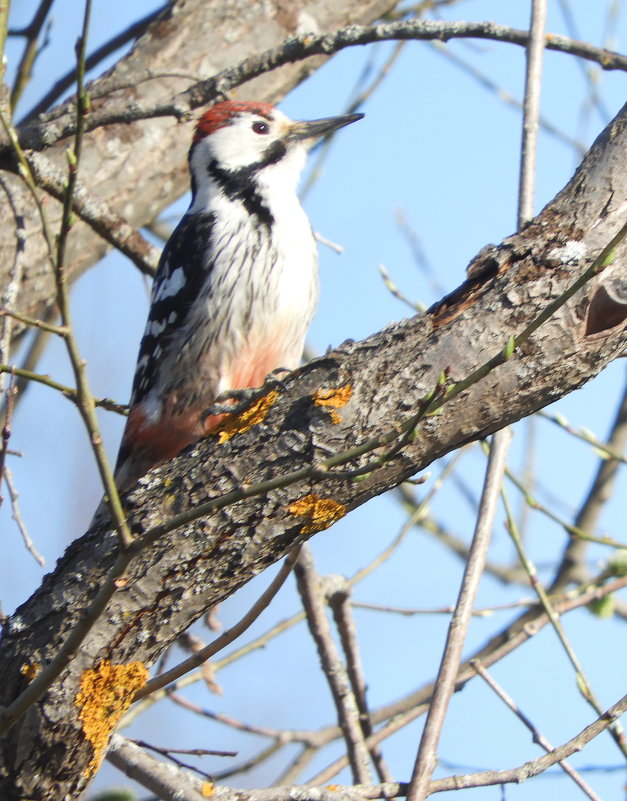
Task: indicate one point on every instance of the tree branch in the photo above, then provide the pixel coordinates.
(158, 588)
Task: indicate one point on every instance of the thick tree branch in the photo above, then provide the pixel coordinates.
(376, 385)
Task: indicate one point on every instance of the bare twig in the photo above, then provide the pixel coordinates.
(229, 720)
(31, 358)
(227, 637)
(168, 753)
(31, 51)
(339, 602)
(604, 449)
(442, 610)
(391, 287)
(451, 658)
(600, 492)
(538, 738)
(68, 392)
(298, 48)
(310, 587)
(67, 80)
(97, 214)
(588, 73)
(19, 521)
(360, 96)
(176, 785)
(582, 681)
(420, 257)
(531, 111)
(86, 403)
(504, 96)
(163, 780)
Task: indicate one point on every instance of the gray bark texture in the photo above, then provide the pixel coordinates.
(173, 575)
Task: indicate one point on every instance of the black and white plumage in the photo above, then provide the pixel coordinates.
(237, 282)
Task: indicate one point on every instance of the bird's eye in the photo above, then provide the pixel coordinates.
(261, 127)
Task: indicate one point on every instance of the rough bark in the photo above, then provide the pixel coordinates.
(373, 386)
(138, 169)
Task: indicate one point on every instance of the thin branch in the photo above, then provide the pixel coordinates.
(227, 637)
(504, 96)
(68, 392)
(32, 322)
(310, 587)
(19, 521)
(228, 720)
(600, 491)
(66, 81)
(586, 69)
(531, 111)
(360, 96)
(538, 738)
(107, 223)
(604, 449)
(31, 51)
(416, 306)
(163, 780)
(485, 611)
(582, 681)
(426, 759)
(71, 394)
(339, 602)
(86, 403)
(576, 533)
(299, 48)
(176, 785)
(4, 21)
(168, 753)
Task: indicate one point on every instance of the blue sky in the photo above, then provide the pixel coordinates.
(443, 150)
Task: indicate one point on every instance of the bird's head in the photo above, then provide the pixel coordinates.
(254, 140)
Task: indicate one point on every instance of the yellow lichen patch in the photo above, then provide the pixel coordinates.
(252, 416)
(320, 512)
(30, 670)
(207, 789)
(333, 399)
(105, 694)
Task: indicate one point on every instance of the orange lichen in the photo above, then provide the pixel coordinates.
(207, 789)
(320, 512)
(333, 399)
(252, 416)
(106, 692)
(30, 670)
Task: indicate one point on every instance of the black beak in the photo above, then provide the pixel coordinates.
(313, 129)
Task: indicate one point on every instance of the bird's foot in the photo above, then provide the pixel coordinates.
(234, 401)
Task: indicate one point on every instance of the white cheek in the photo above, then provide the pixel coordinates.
(236, 145)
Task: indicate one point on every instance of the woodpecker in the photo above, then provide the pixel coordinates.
(237, 282)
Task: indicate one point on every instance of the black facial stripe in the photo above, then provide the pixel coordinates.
(274, 152)
(240, 184)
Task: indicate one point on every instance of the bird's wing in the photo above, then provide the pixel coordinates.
(182, 272)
